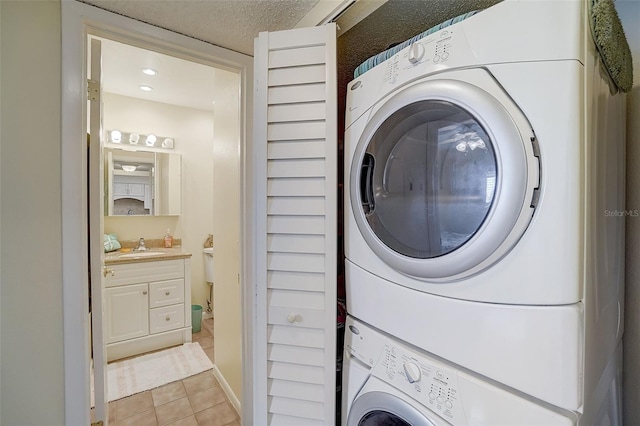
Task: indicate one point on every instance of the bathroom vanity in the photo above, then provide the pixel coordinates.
(147, 301)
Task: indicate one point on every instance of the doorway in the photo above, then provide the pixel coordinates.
(231, 151)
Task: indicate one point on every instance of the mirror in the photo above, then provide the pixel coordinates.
(142, 183)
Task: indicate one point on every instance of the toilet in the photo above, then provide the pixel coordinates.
(208, 273)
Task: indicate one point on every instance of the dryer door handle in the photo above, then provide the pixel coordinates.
(366, 184)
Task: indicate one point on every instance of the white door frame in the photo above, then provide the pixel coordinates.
(77, 21)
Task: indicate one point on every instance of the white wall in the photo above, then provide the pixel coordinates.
(629, 12)
(226, 236)
(193, 132)
(31, 333)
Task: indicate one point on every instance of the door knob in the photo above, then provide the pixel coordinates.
(106, 271)
(293, 318)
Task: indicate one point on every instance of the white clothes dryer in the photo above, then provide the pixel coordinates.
(386, 382)
(479, 162)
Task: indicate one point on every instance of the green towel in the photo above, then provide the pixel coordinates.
(111, 242)
(611, 42)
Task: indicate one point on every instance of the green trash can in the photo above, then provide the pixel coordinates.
(196, 318)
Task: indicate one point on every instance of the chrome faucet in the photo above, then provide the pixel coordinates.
(141, 246)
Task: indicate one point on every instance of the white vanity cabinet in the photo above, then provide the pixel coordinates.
(147, 306)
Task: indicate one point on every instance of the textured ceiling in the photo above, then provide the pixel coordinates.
(232, 24)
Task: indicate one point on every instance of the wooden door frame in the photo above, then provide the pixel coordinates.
(78, 20)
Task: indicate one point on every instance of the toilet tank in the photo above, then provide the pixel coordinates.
(208, 264)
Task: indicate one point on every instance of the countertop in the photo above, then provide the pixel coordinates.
(116, 257)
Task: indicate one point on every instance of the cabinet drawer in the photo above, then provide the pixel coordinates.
(144, 272)
(166, 318)
(164, 293)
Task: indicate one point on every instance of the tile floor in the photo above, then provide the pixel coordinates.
(195, 401)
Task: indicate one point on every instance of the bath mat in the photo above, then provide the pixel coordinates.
(145, 372)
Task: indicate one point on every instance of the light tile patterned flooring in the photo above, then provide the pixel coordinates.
(195, 401)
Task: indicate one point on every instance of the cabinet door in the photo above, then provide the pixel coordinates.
(296, 166)
(120, 189)
(136, 189)
(127, 312)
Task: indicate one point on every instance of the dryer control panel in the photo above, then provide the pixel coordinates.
(428, 381)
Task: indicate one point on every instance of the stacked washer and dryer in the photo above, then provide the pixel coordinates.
(484, 226)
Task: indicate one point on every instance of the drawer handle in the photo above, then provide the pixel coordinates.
(168, 293)
(144, 292)
(167, 319)
(106, 271)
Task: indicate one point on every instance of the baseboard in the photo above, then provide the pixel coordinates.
(227, 389)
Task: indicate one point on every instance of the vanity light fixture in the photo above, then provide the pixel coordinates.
(116, 136)
(149, 71)
(135, 141)
(145, 88)
(151, 140)
(129, 168)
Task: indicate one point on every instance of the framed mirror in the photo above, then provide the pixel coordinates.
(142, 183)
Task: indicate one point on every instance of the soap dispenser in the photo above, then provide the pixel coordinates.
(168, 240)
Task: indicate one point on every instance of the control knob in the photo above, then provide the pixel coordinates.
(416, 51)
(412, 372)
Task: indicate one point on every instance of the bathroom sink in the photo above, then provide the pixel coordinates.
(142, 254)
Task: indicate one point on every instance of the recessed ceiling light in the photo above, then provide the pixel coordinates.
(149, 71)
(129, 168)
(146, 88)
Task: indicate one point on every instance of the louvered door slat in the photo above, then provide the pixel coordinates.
(295, 280)
(296, 289)
(296, 243)
(296, 187)
(297, 75)
(297, 57)
(296, 112)
(294, 355)
(291, 390)
(298, 94)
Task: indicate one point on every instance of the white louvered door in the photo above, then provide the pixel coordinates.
(295, 146)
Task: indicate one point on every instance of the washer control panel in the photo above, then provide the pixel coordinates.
(428, 381)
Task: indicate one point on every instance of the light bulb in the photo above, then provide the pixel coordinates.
(151, 140)
(116, 136)
(462, 146)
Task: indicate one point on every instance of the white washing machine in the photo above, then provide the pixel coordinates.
(483, 162)
(389, 383)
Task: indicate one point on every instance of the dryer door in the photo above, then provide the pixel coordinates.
(380, 408)
(443, 180)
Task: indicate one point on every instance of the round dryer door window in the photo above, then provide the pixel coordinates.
(429, 179)
(376, 408)
(379, 417)
(439, 180)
